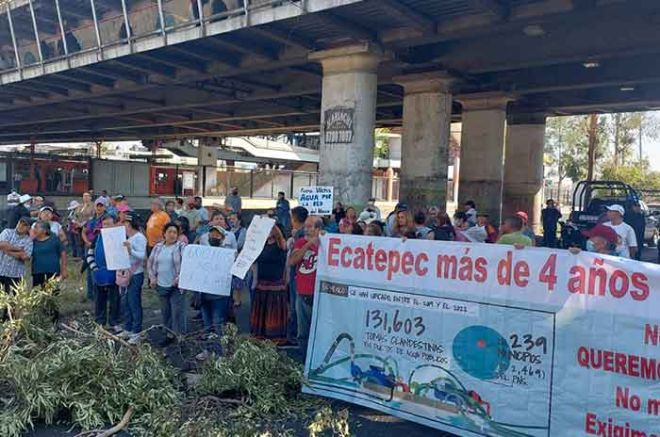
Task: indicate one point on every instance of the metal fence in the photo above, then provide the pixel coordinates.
(60, 28)
(265, 184)
(564, 198)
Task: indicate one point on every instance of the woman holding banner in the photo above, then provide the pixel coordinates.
(164, 267)
(270, 307)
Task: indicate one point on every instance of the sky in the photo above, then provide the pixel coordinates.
(651, 148)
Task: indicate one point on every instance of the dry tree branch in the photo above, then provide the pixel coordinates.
(123, 423)
(115, 338)
(75, 331)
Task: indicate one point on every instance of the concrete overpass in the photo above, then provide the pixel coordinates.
(152, 70)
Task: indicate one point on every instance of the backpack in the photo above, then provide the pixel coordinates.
(123, 278)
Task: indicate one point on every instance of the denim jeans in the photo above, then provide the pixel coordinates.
(132, 304)
(71, 237)
(304, 312)
(249, 280)
(173, 308)
(214, 312)
(107, 294)
(292, 326)
(550, 237)
(91, 292)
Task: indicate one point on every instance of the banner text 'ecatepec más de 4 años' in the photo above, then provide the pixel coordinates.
(481, 339)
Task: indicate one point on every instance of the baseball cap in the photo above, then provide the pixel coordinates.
(26, 219)
(123, 208)
(618, 208)
(73, 205)
(101, 201)
(46, 208)
(118, 197)
(367, 217)
(602, 231)
(132, 217)
(220, 229)
(24, 198)
(523, 216)
(401, 206)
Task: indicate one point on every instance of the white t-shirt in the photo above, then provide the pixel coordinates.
(471, 216)
(476, 234)
(229, 241)
(138, 252)
(165, 273)
(627, 238)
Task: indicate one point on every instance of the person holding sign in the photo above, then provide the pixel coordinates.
(215, 306)
(107, 293)
(304, 257)
(164, 267)
(136, 244)
(270, 307)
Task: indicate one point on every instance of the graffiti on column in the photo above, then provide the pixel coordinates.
(338, 125)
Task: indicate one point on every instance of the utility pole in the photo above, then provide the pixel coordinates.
(591, 131)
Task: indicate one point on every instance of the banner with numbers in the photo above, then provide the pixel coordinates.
(488, 340)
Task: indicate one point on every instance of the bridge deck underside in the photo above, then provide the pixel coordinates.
(251, 73)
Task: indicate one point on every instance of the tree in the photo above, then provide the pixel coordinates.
(382, 146)
(628, 130)
(638, 175)
(567, 145)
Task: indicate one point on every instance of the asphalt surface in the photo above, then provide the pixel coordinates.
(364, 421)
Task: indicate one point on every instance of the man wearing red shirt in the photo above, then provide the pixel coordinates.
(304, 256)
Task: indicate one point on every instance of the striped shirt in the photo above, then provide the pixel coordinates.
(10, 266)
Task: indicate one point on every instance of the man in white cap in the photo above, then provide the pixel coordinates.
(46, 214)
(20, 210)
(12, 199)
(627, 244)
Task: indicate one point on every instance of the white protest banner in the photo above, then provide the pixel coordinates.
(116, 254)
(317, 200)
(485, 339)
(206, 269)
(255, 239)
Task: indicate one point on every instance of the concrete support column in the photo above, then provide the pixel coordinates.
(348, 115)
(425, 142)
(207, 161)
(523, 168)
(482, 152)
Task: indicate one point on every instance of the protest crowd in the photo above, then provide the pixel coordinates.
(280, 284)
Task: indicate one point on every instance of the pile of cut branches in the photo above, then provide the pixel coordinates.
(82, 376)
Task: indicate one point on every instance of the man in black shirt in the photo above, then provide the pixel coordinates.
(550, 217)
(18, 211)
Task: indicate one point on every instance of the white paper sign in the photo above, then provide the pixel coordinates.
(317, 200)
(188, 181)
(206, 269)
(116, 254)
(255, 239)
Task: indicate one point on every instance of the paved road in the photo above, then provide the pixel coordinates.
(364, 422)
